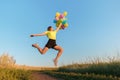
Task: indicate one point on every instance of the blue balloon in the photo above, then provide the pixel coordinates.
(54, 21)
(64, 22)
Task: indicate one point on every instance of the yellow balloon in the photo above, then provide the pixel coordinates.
(57, 14)
(66, 25)
(65, 13)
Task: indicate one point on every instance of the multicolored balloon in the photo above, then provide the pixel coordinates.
(61, 18)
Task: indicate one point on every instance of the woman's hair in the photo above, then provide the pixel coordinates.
(49, 28)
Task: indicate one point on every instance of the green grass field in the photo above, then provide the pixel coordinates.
(89, 71)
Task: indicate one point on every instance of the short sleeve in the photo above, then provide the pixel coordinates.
(56, 31)
(46, 32)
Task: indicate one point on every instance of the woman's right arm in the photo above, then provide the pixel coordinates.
(41, 34)
(58, 27)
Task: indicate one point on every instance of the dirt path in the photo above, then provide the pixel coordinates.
(41, 76)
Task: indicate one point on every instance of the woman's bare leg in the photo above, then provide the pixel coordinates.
(42, 51)
(60, 51)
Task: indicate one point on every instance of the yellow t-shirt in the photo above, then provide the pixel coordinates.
(51, 34)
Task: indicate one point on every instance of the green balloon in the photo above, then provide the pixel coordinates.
(58, 22)
(64, 22)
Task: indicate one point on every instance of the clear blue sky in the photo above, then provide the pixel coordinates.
(94, 29)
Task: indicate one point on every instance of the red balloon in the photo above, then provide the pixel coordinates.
(61, 16)
(62, 26)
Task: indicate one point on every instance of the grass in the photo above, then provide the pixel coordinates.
(92, 70)
(79, 76)
(14, 74)
(101, 70)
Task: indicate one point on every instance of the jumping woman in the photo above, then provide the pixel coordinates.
(51, 34)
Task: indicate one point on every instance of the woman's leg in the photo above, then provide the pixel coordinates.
(60, 51)
(42, 51)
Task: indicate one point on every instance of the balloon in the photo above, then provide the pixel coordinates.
(57, 14)
(54, 21)
(62, 26)
(66, 25)
(61, 16)
(57, 18)
(58, 23)
(65, 13)
(64, 18)
(64, 22)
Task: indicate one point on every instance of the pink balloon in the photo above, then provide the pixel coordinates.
(61, 16)
(56, 18)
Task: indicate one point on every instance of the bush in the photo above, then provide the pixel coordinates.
(14, 74)
(7, 60)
